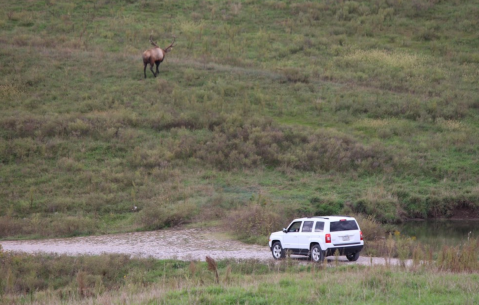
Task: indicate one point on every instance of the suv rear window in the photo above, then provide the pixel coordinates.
(345, 225)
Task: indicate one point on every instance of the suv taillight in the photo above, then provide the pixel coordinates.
(361, 234)
(328, 238)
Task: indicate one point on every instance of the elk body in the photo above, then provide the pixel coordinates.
(155, 56)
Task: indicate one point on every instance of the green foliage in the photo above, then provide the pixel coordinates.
(326, 206)
(382, 205)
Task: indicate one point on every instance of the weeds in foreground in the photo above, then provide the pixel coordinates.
(410, 253)
(61, 279)
(462, 258)
(213, 267)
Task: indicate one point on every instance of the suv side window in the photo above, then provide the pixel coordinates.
(294, 227)
(307, 226)
(319, 226)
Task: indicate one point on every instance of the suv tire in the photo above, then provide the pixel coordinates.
(317, 255)
(277, 251)
(352, 257)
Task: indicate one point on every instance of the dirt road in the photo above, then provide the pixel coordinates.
(184, 244)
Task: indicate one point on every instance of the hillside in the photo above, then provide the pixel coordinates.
(288, 108)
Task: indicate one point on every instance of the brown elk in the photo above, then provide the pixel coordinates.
(156, 56)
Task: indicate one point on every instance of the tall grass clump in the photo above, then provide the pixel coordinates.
(255, 221)
(462, 258)
(159, 215)
(372, 229)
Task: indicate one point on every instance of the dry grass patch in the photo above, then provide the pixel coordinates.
(385, 59)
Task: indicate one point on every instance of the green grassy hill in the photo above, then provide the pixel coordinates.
(294, 107)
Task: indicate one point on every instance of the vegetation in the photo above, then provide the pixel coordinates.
(315, 107)
(112, 279)
(263, 111)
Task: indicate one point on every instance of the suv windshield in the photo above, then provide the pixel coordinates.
(345, 225)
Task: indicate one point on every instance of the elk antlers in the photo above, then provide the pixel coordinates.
(153, 43)
(171, 45)
(167, 49)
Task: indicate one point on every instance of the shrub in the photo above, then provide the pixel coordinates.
(295, 75)
(374, 234)
(326, 206)
(23, 148)
(381, 204)
(72, 226)
(264, 143)
(9, 226)
(160, 215)
(371, 228)
(255, 221)
(462, 258)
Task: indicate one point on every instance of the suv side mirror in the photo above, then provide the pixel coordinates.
(284, 230)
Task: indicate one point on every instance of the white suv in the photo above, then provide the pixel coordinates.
(318, 237)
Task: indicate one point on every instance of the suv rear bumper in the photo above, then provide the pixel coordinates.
(344, 250)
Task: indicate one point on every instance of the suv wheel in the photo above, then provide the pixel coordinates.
(317, 255)
(352, 257)
(277, 251)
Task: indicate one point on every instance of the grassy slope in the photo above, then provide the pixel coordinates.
(368, 106)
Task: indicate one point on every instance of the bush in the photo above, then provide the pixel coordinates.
(255, 221)
(381, 204)
(295, 75)
(159, 215)
(371, 228)
(326, 206)
(264, 143)
(463, 258)
(9, 226)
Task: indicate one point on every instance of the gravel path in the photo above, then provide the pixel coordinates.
(184, 244)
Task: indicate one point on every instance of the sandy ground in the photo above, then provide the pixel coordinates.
(184, 244)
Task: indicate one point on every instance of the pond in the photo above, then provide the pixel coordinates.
(437, 233)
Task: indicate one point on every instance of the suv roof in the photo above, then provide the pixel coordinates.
(333, 218)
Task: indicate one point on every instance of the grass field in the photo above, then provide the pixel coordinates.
(295, 107)
(452, 278)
